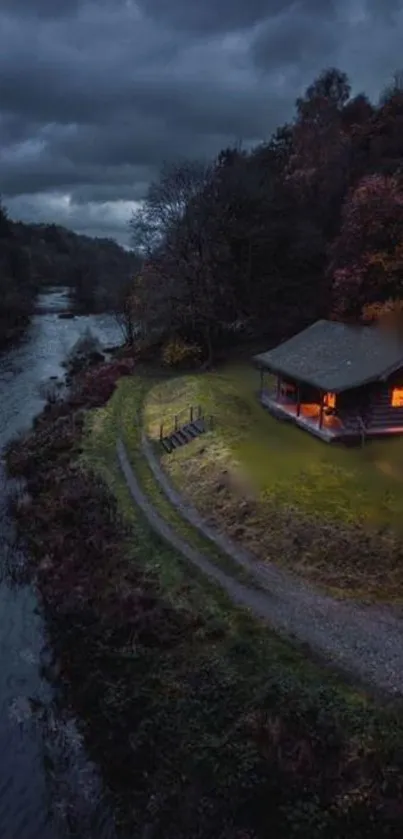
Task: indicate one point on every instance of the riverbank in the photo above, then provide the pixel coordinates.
(47, 779)
(204, 722)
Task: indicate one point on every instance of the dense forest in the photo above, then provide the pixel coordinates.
(33, 256)
(261, 243)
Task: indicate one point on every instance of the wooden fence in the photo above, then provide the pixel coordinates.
(184, 417)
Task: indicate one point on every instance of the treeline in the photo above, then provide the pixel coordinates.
(18, 287)
(98, 272)
(261, 243)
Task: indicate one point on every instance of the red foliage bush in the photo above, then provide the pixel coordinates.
(95, 386)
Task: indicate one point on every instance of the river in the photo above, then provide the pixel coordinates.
(48, 787)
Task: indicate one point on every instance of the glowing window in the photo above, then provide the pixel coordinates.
(397, 397)
(330, 400)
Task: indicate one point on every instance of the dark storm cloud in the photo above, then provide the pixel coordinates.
(227, 15)
(41, 8)
(295, 39)
(95, 95)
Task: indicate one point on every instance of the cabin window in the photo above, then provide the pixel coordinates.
(330, 400)
(397, 397)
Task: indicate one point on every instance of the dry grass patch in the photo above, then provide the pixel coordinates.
(342, 556)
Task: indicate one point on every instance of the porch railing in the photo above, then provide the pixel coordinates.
(363, 429)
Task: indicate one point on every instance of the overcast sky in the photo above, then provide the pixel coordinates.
(94, 96)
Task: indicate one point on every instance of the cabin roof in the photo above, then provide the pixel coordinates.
(336, 356)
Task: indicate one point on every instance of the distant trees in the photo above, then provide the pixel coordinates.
(94, 269)
(17, 287)
(97, 271)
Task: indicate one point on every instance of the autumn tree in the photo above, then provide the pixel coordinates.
(388, 314)
(367, 256)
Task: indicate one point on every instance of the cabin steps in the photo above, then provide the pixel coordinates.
(184, 434)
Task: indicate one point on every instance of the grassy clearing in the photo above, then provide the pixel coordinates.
(252, 737)
(331, 513)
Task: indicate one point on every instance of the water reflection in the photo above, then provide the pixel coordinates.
(48, 788)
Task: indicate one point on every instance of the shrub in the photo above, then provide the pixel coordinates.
(180, 353)
(94, 387)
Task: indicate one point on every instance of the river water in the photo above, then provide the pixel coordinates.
(48, 787)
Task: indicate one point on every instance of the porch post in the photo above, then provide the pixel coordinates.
(321, 409)
(298, 400)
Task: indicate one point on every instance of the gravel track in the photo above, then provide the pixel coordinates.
(364, 641)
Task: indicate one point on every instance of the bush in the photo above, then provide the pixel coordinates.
(92, 388)
(180, 353)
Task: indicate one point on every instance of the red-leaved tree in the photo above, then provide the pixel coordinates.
(367, 257)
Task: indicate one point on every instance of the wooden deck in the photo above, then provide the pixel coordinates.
(332, 428)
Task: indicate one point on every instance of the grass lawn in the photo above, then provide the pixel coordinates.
(331, 512)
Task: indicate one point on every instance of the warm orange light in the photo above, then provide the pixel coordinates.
(397, 397)
(330, 400)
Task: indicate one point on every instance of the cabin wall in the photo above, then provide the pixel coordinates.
(382, 412)
(356, 400)
(309, 394)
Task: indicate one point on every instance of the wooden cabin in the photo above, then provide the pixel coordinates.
(338, 381)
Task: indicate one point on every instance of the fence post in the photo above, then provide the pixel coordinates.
(191, 413)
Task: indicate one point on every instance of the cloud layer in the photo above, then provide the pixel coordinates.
(94, 96)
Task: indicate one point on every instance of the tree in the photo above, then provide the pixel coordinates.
(378, 141)
(128, 312)
(356, 113)
(332, 87)
(165, 203)
(182, 240)
(367, 257)
(388, 314)
(5, 225)
(395, 87)
(318, 168)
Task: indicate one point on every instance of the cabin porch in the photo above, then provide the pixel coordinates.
(326, 415)
(331, 428)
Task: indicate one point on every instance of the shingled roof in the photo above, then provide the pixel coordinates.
(335, 356)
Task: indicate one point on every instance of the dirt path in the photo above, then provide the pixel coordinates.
(365, 641)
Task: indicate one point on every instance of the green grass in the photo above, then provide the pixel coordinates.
(126, 409)
(284, 462)
(200, 695)
(288, 497)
